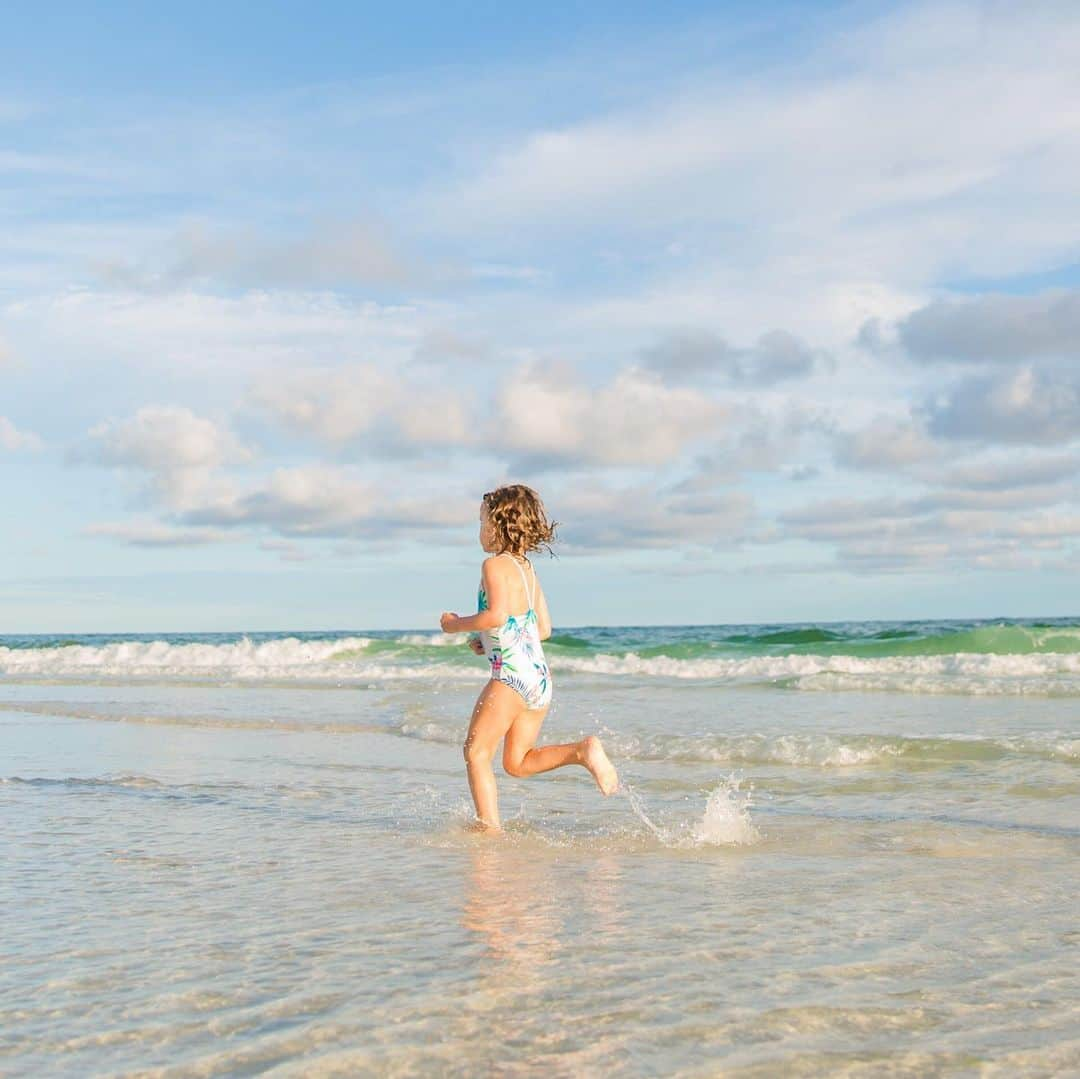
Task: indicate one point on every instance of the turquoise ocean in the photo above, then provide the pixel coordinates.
(840, 849)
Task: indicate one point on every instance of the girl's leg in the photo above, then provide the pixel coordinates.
(494, 713)
(521, 759)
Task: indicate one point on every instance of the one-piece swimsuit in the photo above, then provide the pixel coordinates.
(514, 649)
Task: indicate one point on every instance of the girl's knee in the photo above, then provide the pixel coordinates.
(476, 754)
(514, 767)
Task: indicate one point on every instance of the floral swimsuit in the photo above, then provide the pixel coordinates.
(515, 652)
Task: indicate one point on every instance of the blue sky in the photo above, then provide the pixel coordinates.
(779, 311)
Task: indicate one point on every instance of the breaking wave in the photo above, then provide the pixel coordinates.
(818, 750)
(1036, 658)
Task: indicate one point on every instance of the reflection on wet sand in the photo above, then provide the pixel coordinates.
(526, 911)
(601, 888)
(511, 903)
(532, 911)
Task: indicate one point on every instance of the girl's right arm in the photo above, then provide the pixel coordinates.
(494, 616)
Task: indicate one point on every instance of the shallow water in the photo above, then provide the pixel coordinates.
(216, 867)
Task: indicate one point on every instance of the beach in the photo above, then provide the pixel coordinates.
(843, 849)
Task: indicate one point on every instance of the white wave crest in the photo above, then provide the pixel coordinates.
(828, 750)
(1053, 674)
(351, 660)
(431, 640)
(789, 666)
(284, 658)
(818, 750)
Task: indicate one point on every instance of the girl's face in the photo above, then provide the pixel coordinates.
(487, 533)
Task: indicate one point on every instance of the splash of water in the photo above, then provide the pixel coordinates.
(638, 807)
(725, 822)
(727, 817)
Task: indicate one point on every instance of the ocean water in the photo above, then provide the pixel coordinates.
(843, 849)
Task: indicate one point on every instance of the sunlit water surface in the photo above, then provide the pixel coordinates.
(210, 875)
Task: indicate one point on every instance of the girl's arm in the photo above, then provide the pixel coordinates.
(543, 618)
(496, 613)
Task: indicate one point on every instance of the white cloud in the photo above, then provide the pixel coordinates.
(1000, 472)
(535, 413)
(339, 405)
(333, 405)
(179, 451)
(645, 515)
(155, 534)
(994, 327)
(864, 152)
(887, 444)
(441, 344)
(162, 438)
(688, 211)
(325, 501)
(548, 413)
(331, 254)
(1027, 405)
(692, 355)
(760, 440)
(11, 438)
(815, 196)
(192, 335)
(311, 500)
(950, 528)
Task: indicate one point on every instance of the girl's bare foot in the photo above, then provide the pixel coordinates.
(596, 760)
(476, 825)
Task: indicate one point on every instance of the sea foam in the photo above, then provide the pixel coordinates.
(437, 657)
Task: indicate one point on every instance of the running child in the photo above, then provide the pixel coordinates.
(515, 701)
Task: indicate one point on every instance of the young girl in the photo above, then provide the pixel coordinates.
(514, 703)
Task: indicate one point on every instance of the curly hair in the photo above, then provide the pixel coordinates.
(520, 522)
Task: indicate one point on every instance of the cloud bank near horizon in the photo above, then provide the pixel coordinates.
(817, 314)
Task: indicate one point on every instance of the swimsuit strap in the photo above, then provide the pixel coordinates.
(524, 580)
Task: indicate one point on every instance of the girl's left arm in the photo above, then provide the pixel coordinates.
(543, 618)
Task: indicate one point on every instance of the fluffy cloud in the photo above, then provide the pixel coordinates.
(1000, 472)
(546, 413)
(177, 450)
(887, 444)
(695, 354)
(914, 149)
(648, 515)
(160, 439)
(344, 404)
(11, 438)
(759, 440)
(946, 529)
(537, 415)
(994, 328)
(322, 501)
(1028, 405)
(1024, 388)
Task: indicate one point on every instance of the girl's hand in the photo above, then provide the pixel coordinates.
(476, 645)
(448, 621)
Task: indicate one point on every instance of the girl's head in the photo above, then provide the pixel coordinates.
(512, 518)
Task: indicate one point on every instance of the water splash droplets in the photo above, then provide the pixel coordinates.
(725, 822)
